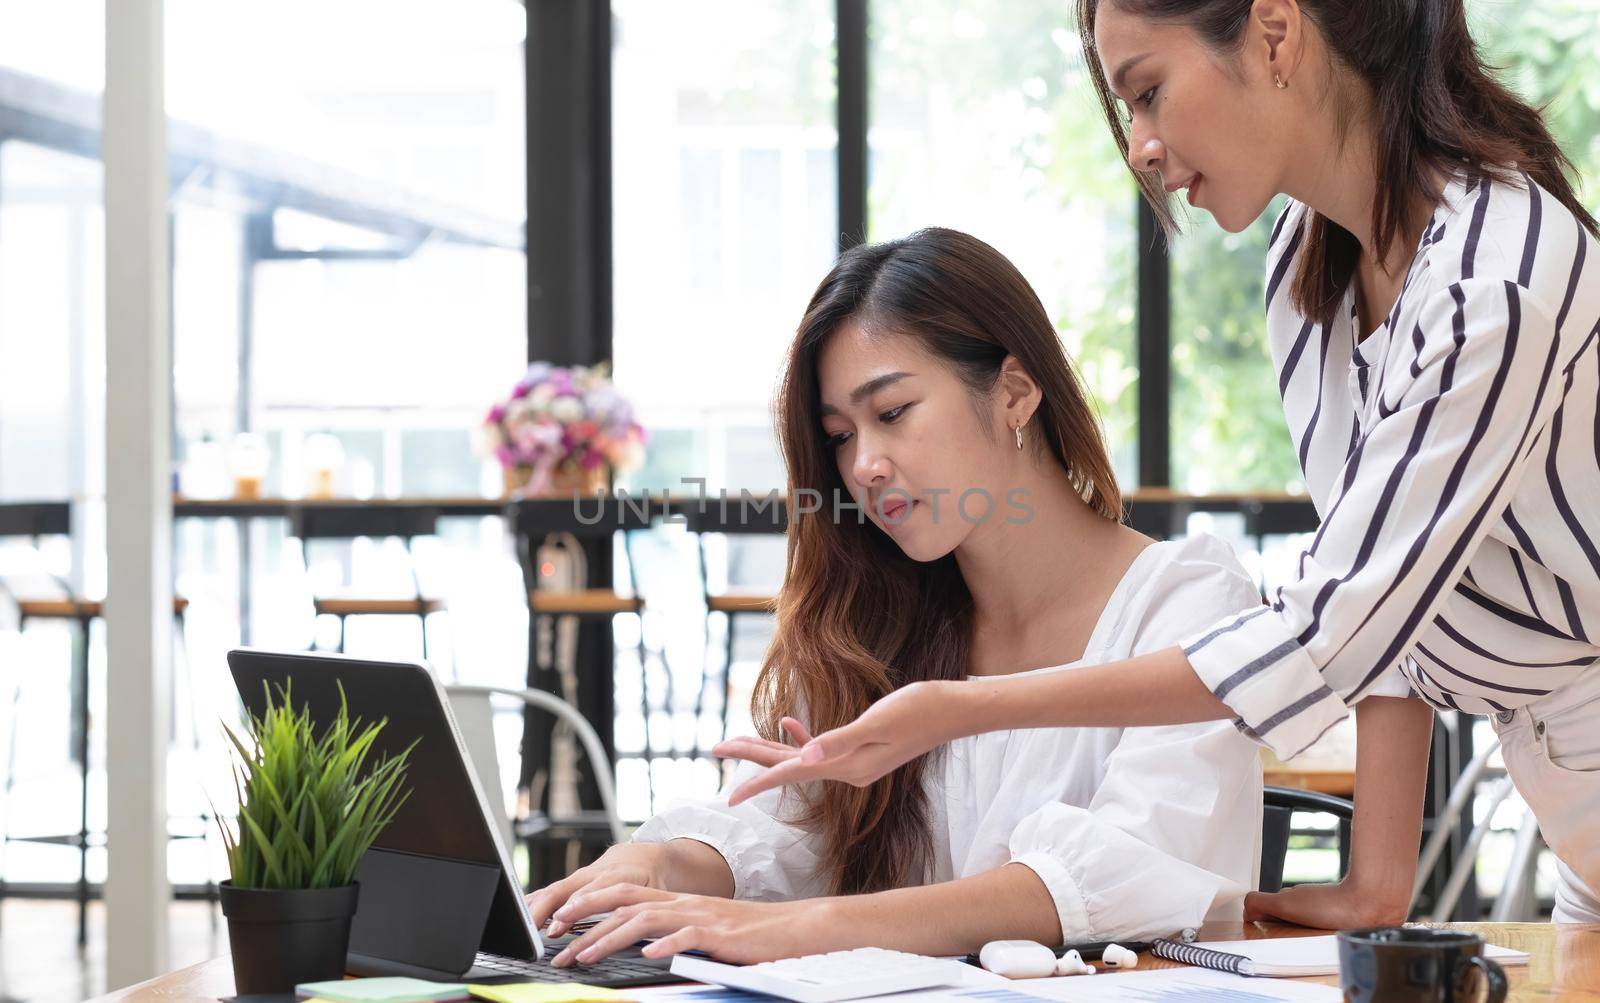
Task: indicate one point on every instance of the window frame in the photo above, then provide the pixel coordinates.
(570, 289)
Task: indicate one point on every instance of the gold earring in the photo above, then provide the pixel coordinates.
(1019, 436)
(1282, 84)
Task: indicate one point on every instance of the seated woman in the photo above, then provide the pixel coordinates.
(931, 421)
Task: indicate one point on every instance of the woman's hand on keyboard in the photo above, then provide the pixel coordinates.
(639, 864)
(678, 865)
(738, 932)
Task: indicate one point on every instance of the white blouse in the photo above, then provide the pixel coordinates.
(1454, 457)
(1135, 833)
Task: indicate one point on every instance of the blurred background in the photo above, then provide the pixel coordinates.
(381, 213)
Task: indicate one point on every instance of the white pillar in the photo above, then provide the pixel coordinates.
(138, 493)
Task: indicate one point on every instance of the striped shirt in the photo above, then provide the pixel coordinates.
(1454, 458)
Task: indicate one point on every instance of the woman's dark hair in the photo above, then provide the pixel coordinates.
(856, 617)
(1437, 105)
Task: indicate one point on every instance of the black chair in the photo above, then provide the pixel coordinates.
(36, 520)
(1280, 805)
(346, 521)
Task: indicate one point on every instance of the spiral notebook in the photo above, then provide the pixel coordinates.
(1287, 957)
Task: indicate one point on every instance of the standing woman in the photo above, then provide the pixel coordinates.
(1433, 305)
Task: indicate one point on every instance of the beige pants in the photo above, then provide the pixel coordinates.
(1552, 751)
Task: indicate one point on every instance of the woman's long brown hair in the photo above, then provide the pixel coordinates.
(1438, 108)
(856, 617)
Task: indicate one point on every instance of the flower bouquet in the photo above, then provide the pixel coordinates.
(563, 429)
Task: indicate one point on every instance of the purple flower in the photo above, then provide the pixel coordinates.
(564, 417)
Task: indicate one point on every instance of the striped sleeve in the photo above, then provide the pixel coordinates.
(1435, 468)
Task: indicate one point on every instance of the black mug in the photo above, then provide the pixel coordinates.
(1396, 964)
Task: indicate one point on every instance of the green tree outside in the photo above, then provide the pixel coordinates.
(1228, 432)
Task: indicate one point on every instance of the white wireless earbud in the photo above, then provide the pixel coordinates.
(1117, 956)
(1072, 963)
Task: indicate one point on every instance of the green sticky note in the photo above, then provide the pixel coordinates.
(384, 990)
(546, 992)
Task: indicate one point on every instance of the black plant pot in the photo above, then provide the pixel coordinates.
(283, 937)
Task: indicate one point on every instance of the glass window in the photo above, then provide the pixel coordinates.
(363, 270)
(52, 406)
(371, 145)
(1547, 53)
(725, 205)
(1228, 432)
(349, 279)
(52, 322)
(348, 268)
(982, 119)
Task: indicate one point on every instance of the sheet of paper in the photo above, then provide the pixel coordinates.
(1173, 985)
(550, 992)
(966, 977)
(1004, 992)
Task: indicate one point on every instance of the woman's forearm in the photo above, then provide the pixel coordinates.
(1154, 689)
(952, 917)
(1391, 765)
(1393, 736)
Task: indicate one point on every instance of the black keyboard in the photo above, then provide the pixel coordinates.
(614, 972)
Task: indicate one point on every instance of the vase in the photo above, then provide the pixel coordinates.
(584, 482)
(282, 937)
(563, 482)
(517, 479)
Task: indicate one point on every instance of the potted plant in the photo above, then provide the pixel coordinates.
(310, 805)
(563, 428)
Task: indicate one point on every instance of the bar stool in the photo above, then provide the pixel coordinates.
(569, 631)
(732, 604)
(549, 605)
(551, 600)
(34, 521)
(343, 521)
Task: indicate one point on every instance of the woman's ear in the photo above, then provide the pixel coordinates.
(1277, 27)
(1017, 394)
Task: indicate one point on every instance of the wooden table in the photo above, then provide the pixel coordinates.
(1332, 780)
(270, 507)
(1565, 963)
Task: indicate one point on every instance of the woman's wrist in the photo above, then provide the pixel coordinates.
(833, 923)
(1386, 889)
